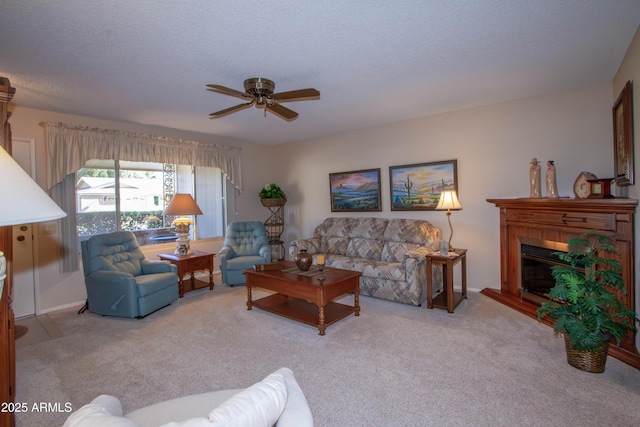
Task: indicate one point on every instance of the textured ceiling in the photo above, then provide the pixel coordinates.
(374, 62)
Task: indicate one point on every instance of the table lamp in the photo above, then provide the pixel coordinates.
(23, 202)
(449, 202)
(182, 204)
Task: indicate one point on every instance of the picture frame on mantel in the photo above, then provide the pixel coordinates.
(623, 137)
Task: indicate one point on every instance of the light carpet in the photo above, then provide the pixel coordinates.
(394, 365)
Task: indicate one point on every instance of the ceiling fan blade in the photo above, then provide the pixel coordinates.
(296, 95)
(282, 112)
(230, 110)
(228, 91)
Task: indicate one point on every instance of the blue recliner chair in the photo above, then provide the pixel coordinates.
(245, 244)
(120, 281)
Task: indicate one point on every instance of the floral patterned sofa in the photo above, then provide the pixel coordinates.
(391, 254)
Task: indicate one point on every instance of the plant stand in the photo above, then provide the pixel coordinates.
(275, 226)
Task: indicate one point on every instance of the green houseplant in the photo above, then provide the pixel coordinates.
(272, 195)
(583, 302)
(272, 191)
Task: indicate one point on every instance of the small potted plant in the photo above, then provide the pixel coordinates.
(583, 302)
(272, 195)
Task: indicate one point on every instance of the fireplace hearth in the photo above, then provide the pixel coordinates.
(532, 229)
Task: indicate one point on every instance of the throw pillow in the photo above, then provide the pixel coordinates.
(259, 405)
(103, 411)
(192, 422)
(297, 412)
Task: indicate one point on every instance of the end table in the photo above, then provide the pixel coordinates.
(195, 261)
(447, 298)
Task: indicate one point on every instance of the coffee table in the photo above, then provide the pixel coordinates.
(301, 296)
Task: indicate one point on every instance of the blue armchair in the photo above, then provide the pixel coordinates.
(120, 281)
(245, 244)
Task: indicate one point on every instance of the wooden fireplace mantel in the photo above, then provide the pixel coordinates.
(559, 220)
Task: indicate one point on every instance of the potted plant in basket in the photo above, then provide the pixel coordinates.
(584, 303)
(272, 195)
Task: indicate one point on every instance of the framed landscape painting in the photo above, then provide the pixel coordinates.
(623, 137)
(417, 187)
(356, 191)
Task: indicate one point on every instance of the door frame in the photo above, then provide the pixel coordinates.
(33, 226)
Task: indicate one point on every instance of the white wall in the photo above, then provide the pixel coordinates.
(493, 144)
(630, 71)
(56, 290)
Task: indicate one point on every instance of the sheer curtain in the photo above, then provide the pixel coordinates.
(65, 196)
(68, 148)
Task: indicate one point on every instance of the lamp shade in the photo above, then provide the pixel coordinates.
(448, 201)
(23, 201)
(182, 204)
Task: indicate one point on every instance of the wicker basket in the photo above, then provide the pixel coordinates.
(586, 360)
(270, 203)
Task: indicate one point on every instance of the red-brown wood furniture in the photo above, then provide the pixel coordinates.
(195, 261)
(558, 220)
(302, 296)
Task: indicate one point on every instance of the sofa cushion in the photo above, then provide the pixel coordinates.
(259, 405)
(296, 412)
(244, 262)
(369, 228)
(313, 245)
(397, 251)
(365, 248)
(191, 422)
(117, 251)
(379, 269)
(278, 396)
(390, 254)
(181, 408)
(334, 227)
(246, 238)
(340, 261)
(151, 283)
(103, 411)
(413, 231)
(391, 290)
(334, 245)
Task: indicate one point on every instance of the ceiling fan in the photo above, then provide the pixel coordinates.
(258, 91)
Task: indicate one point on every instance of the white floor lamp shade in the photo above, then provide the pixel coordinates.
(23, 201)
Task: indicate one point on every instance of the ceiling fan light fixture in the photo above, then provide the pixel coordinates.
(259, 91)
(259, 86)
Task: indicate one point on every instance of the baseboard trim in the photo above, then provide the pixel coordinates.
(61, 307)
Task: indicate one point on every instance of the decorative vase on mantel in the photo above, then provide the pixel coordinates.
(535, 188)
(303, 259)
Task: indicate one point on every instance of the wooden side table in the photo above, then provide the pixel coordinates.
(197, 260)
(447, 298)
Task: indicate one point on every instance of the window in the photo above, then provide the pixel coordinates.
(120, 195)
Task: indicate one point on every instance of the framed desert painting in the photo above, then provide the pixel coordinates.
(623, 137)
(356, 191)
(417, 187)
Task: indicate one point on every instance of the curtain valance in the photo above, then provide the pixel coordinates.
(69, 148)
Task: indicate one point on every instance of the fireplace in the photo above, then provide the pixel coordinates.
(532, 229)
(537, 257)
